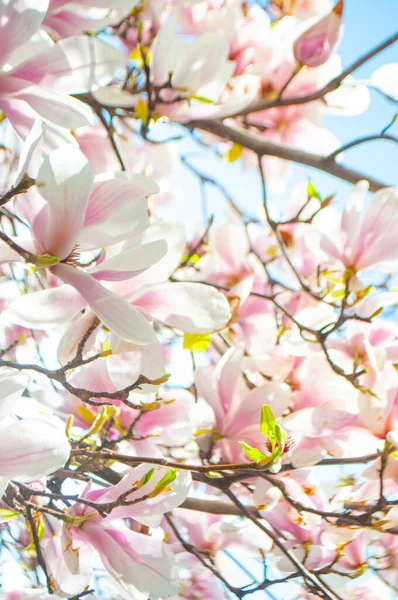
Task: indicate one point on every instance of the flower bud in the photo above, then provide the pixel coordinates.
(316, 45)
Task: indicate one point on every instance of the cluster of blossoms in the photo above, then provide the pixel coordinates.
(167, 401)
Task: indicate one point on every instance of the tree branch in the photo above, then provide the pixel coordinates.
(263, 147)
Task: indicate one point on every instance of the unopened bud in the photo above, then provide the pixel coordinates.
(316, 45)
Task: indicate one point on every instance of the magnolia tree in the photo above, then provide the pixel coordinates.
(174, 406)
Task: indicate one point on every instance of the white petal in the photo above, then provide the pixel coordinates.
(385, 79)
(46, 308)
(115, 312)
(30, 449)
(19, 20)
(192, 307)
(73, 65)
(12, 385)
(65, 180)
(112, 96)
(130, 263)
(117, 209)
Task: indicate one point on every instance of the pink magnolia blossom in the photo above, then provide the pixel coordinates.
(235, 407)
(40, 84)
(191, 307)
(351, 545)
(70, 213)
(197, 68)
(315, 46)
(143, 564)
(29, 448)
(364, 238)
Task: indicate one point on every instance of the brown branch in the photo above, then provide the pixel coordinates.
(83, 394)
(20, 188)
(363, 140)
(36, 542)
(264, 147)
(27, 256)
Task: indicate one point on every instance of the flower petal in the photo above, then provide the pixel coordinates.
(191, 307)
(46, 308)
(130, 263)
(73, 65)
(54, 106)
(117, 209)
(65, 180)
(12, 385)
(19, 20)
(115, 312)
(30, 449)
(144, 564)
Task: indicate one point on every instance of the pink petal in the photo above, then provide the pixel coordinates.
(74, 65)
(70, 566)
(317, 422)
(191, 307)
(54, 106)
(131, 262)
(65, 180)
(231, 245)
(228, 373)
(117, 209)
(143, 563)
(47, 308)
(115, 312)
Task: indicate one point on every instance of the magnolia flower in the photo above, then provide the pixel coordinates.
(316, 45)
(144, 564)
(363, 238)
(37, 75)
(29, 448)
(191, 307)
(200, 67)
(236, 408)
(74, 211)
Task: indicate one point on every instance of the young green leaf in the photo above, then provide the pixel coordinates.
(268, 424)
(312, 191)
(145, 479)
(6, 514)
(253, 453)
(163, 484)
(280, 438)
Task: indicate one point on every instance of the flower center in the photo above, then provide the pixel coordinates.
(73, 258)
